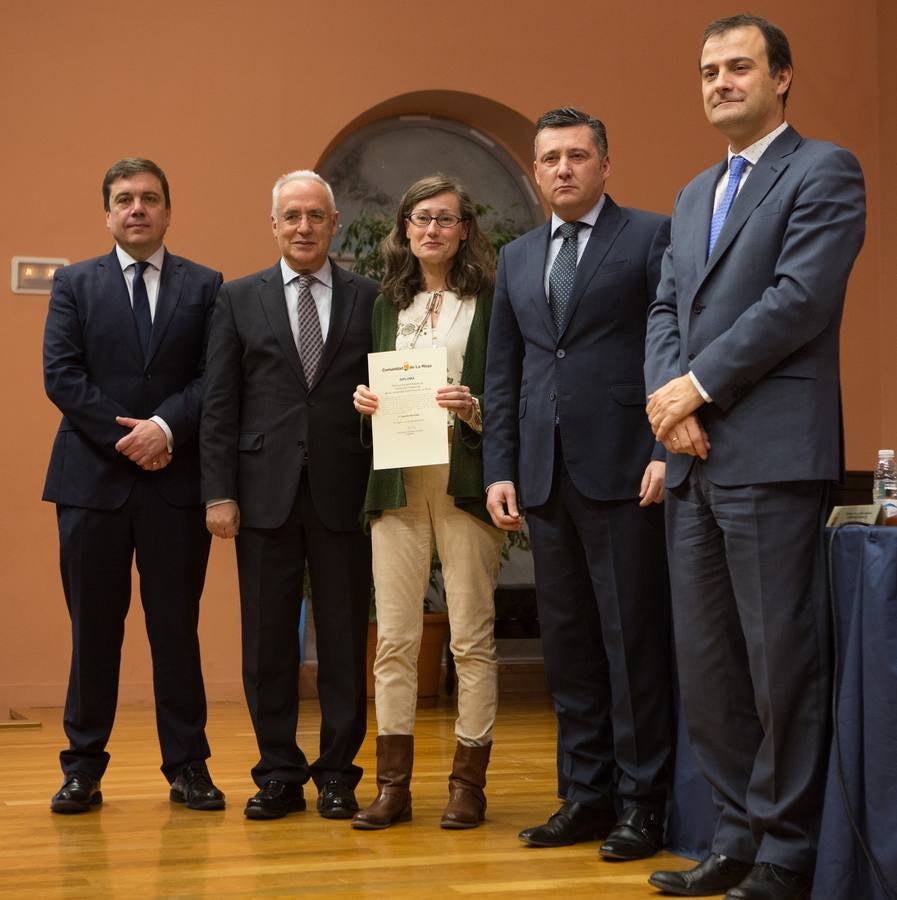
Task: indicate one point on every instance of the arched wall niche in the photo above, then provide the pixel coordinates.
(487, 145)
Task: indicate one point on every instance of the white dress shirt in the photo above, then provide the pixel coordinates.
(151, 277)
(321, 292)
(582, 237)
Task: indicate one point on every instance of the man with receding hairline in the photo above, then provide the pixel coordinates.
(285, 473)
(742, 363)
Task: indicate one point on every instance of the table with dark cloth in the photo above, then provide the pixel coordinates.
(864, 585)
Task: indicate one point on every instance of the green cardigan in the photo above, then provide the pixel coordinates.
(386, 487)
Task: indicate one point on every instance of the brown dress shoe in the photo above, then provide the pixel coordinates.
(467, 802)
(395, 758)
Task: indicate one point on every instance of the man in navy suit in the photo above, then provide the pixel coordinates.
(564, 435)
(742, 363)
(124, 352)
(283, 465)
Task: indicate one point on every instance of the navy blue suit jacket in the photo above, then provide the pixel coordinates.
(589, 377)
(94, 370)
(758, 321)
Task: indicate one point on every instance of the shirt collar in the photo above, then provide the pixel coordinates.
(589, 219)
(125, 259)
(753, 153)
(324, 274)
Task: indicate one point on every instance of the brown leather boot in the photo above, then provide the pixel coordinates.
(467, 802)
(395, 757)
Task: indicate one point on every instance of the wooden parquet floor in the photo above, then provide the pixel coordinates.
(139, 845)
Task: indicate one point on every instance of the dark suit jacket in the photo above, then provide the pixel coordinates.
(589, 377)
(262, 424)
(758, 321)
(94, 370)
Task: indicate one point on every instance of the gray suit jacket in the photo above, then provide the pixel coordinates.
(758, 321)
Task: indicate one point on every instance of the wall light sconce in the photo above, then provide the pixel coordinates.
(34, 274)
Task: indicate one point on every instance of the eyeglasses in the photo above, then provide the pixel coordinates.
(315, 217)
(443, 220)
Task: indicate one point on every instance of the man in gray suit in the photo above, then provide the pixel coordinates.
(742, 366)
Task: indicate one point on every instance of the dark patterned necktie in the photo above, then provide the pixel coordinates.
(141, 307)
(309, 341)
(736, 167)
(562, 275)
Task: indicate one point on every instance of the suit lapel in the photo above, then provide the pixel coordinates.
(701, 229)
(764, 175)
(171, 282)
(342, 304)
(536, 255)
(112, 285)
(273, 301)
(610, 223)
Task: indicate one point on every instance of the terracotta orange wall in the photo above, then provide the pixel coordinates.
(226, 96)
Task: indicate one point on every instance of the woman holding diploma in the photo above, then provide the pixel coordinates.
(437, 292)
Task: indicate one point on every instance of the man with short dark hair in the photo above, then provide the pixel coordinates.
(124, 354)
(742, 363)
(283, 466)
(565, 435)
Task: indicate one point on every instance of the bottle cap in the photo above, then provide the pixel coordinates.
(885, 454)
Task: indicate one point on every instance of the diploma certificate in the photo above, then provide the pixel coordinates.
(409, 428)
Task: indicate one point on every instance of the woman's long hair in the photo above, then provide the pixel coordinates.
(473, 268)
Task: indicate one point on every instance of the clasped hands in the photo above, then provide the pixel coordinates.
(671, 412)
(145, 444)
(456, 397)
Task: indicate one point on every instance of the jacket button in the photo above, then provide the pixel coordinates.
(691, 356)
(301, 443)
(560, 354)
(698, 308)
(148, 377)
(552, 395)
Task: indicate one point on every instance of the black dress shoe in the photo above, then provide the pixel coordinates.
(767, 881)
(638, 834)
(713, 876)
(337, 801)
(572, 823)
(275, 800)
(193, 787)
(78, 793)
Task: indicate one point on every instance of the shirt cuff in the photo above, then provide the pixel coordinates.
(211, 503)
(164, 426)
(700, 390)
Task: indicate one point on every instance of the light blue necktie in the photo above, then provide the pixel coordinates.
(736, 168)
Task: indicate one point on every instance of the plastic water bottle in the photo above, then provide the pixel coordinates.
(884, 486)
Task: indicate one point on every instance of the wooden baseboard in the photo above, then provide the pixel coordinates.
(17, 720)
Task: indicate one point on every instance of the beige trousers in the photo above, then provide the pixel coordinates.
(470, 551)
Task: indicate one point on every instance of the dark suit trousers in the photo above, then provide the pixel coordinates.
(603, 601)
(97, 548)
(271, 565)
(752, 645)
